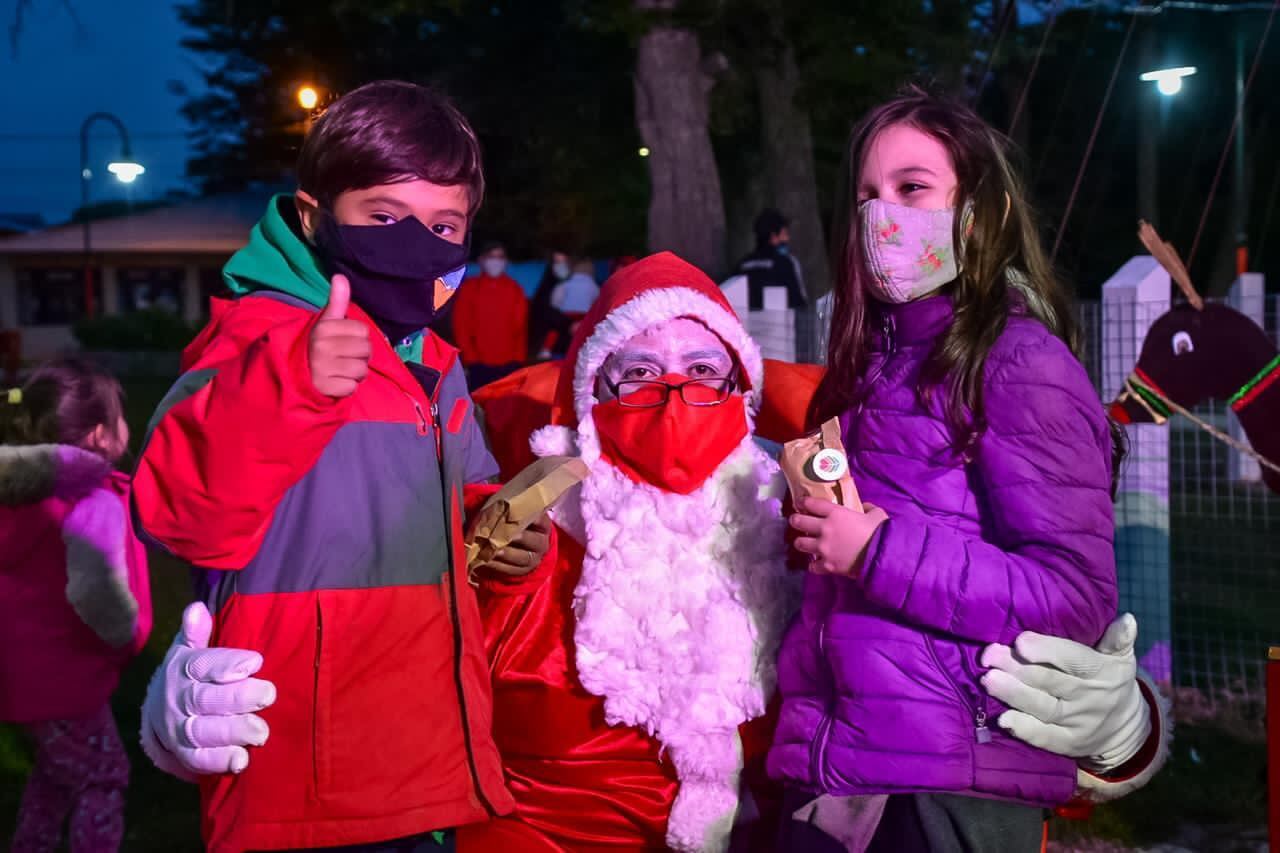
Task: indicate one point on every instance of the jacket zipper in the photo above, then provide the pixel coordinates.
(424, 426)
(435, 427)
(315, 700)
(462, 695)
(981, 731)
(972, 701)
(818, 749)
(888, 327)
(435, 419)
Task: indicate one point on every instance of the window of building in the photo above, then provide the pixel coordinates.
(150, 288)
(54, 296)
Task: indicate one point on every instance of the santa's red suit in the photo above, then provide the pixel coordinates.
(627, 674)
(631, 675)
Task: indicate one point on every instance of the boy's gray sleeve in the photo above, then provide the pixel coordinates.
(479, 466)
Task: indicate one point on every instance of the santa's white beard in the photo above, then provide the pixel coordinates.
(679, 611)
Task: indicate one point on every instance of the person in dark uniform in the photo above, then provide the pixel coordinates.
(771, 264)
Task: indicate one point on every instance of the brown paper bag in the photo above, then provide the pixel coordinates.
(518, 504)
(816, 466)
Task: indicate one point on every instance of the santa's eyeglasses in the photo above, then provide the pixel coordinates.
(649, 393)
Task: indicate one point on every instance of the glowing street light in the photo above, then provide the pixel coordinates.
(308, 97)
(1168, 80)
(126, 171)
(644, 152)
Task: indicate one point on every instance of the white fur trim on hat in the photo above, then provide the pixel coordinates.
(648, 309)
(553, 441)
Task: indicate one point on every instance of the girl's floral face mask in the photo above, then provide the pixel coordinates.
(909, 251)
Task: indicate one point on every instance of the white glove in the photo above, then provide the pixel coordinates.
(1070, 699)
(198, 717)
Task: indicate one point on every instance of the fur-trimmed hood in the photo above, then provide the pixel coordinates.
(32, 473)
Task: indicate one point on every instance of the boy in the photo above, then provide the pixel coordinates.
(310, 462)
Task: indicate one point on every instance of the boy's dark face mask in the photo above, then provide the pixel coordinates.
(402, 275)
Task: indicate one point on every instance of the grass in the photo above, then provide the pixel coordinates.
(1213, 779)
(1216, 777)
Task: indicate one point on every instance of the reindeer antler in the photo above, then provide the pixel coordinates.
(1168, 258)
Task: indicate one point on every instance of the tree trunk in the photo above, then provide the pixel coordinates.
(741, 208)
(686, 208)
(788, 153)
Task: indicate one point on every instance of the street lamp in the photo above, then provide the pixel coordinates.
(125, 170)
(1168, 80)
(308, 97)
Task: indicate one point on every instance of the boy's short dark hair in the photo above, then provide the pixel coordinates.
(386, 132)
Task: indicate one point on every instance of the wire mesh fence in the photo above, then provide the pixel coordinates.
(1198, 533)
(1221, 589)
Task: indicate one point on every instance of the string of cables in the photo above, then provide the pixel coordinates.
(1136, 12)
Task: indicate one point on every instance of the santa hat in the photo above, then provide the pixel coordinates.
(653, 290)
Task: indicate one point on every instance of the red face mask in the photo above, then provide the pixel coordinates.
(674, 446)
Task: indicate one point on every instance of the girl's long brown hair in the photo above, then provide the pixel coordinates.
(1003, 246)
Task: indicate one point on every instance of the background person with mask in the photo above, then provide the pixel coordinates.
(771, 264)
(574, 296)
(544, 320)
(491, 320)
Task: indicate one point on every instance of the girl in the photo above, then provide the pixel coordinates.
(74, 599)
(985, 454)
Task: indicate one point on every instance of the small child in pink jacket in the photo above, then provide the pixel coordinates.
(75, 601)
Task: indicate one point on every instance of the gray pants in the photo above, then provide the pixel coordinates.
(928, 823)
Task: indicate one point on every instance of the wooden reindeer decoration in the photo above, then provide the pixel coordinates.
(1199, 351)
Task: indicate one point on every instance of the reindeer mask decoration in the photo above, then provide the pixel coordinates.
(1200, 351)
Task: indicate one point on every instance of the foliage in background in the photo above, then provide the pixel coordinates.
(549, 98)
(549, 88)
(137, 331)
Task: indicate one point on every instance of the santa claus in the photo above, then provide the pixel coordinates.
(633, 668)
(624, 669)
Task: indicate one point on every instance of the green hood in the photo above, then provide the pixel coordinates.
(277, 257)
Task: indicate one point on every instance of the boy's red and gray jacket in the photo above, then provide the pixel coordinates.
(327, 534)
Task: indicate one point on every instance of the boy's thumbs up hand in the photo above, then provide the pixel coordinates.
(339, 349)
(339, 299)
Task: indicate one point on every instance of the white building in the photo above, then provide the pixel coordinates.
(169, 257)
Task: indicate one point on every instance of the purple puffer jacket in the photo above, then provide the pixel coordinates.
(880, 676)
